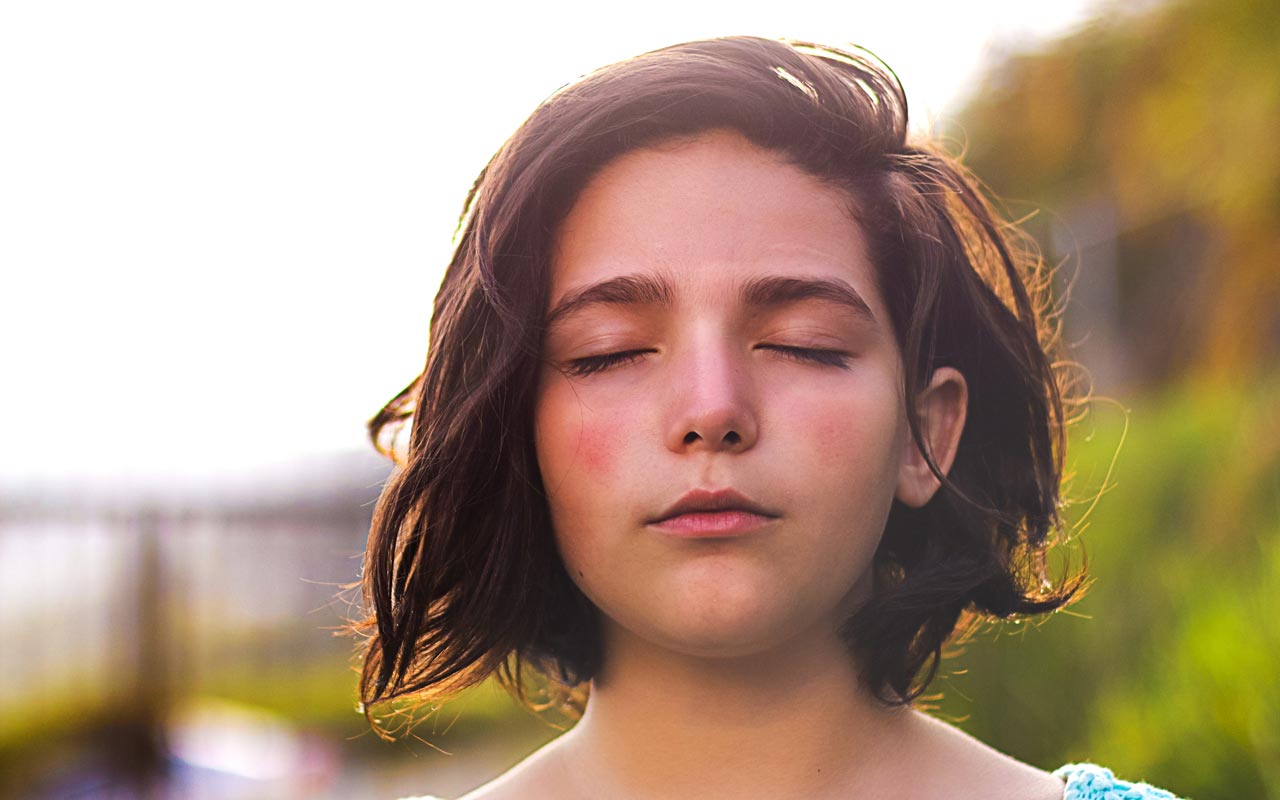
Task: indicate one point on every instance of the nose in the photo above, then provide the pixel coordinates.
(712, 407)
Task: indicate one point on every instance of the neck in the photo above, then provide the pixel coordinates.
(790, 722)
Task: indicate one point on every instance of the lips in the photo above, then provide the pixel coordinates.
(712, 500)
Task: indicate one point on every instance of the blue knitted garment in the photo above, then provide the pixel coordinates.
(1092, 782)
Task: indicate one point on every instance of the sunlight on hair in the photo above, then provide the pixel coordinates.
(796, 82)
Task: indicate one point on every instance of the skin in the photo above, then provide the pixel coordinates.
(723, 673)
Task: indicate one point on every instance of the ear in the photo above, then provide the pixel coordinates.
(941, 407)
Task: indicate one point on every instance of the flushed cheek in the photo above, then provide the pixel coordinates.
(573, 439)
(840, 429)
(850, 439)
(600, 442)
(850, 461)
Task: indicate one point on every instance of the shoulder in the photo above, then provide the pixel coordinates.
(538, 776)
(948, 762)
(531, 779)
(1091, 782)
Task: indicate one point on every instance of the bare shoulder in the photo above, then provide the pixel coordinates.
(537, 777)
(967, 769)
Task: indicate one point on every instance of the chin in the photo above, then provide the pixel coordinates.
(722, 630)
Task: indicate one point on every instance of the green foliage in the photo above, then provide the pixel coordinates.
(1166, 669)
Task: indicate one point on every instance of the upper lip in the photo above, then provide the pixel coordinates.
(726, 499)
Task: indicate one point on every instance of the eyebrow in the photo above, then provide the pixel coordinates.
(773, 291)
(764, 292)
(635, 289)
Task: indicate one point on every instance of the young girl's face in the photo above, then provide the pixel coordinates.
(709, 395)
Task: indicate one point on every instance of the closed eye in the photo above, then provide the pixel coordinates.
(833, 358)
(590, 364)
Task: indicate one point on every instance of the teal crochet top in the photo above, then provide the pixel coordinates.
(1084, 782)
(1092, 782)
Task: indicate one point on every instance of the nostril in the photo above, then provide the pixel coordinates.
(731, 438)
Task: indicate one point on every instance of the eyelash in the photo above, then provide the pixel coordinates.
(832, 358)
(808, 355)
(591, 364)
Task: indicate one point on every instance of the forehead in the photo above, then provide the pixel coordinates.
(711, 213)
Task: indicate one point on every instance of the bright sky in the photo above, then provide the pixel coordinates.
(222, 224)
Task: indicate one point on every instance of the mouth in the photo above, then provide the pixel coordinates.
(710, 511)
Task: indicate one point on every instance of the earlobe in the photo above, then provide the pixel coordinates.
(941, 408)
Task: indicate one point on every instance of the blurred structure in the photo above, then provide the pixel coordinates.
(184, 645)
(118, 614)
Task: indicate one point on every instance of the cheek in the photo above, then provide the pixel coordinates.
(850, 433)
(599, 443)
(829, 435)
(573, 439)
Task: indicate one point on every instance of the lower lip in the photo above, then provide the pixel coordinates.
(713, 524)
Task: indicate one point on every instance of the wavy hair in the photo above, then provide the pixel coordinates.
(462, 580)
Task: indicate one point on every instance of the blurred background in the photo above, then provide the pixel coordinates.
(221, 228)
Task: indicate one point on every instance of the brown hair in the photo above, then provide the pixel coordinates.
(462, 576)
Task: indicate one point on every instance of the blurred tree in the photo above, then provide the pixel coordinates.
(1161, 122)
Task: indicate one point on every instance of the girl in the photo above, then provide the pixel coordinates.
(739, 406)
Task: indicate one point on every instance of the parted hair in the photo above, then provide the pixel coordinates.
(462, 579)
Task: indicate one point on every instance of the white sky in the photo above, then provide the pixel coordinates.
(222, 224)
